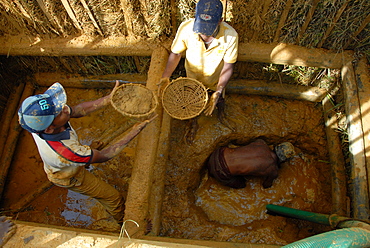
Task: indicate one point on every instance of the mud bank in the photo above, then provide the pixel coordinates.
(194, 206)
(198, 207)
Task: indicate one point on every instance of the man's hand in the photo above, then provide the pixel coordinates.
(163, 82)
(212, 103)
(141, 125)
(114, 149)
(86, 108)
(116, 86)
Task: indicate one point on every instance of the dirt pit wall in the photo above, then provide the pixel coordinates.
(195, 206)
(198, 207)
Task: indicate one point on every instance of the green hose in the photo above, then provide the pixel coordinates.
(355, 233)
(333, 220)
(299, 214)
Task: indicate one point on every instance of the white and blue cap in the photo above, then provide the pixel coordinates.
(38, 112)
(208, 14)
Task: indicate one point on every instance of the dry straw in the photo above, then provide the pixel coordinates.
(184, 98)
(134, 100)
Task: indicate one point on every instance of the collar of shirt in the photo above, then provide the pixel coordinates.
(216, 41)
(57, 137)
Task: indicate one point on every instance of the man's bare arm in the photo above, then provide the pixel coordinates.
(86, 108)
(116, 148)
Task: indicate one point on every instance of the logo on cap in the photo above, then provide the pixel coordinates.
(37, 112)
(44, 105)
(205, 17)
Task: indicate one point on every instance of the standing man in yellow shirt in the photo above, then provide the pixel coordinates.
(211, 49)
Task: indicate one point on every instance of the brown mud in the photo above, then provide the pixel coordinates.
(133, 100)
(195, 206)
(198, 207)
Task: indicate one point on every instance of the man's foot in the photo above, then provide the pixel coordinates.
(7, 230)
(191, 131)
(284, 151)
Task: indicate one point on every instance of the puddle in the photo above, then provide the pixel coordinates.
(77, 210)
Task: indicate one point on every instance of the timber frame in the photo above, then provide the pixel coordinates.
(280, 43)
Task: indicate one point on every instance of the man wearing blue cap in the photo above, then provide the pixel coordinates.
(46, 116)
(211, 47)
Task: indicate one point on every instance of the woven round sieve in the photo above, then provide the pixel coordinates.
(184, 98)
(134, 100)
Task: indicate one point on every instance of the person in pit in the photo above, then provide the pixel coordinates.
(46, 116)
(211, 49)
(229, 166)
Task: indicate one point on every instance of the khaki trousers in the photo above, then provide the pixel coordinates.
(89, 185)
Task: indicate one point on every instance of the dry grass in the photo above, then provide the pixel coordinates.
(348, 24)
(296, 19)
(154, 19)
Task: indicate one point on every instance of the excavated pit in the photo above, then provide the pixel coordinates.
(194, 206)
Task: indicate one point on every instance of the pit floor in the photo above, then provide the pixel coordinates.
(195, 206)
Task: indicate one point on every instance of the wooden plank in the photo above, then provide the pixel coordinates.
(283, 18)
(90, 82)
(286, 54)
(11, 141)
(11, 108)
(22, 45)
(261, 87)
(122, 46)
(333, 24)
(161, 160)
(338, 171)
(138, 195)
(358, 181)
(362, 75)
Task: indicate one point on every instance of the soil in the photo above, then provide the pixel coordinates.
(134, 100)
(198, 207)
(195, 206)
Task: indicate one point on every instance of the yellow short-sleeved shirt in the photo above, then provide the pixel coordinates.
(203, 64)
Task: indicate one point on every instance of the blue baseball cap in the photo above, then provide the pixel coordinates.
(208, 14)
(38, 112)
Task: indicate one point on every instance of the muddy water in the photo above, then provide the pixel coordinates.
(195, 206)
(198, 207)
